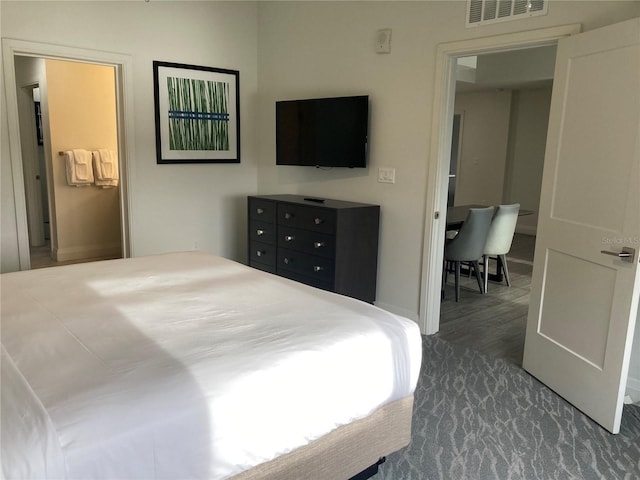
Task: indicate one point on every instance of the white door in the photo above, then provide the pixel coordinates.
(583, 301)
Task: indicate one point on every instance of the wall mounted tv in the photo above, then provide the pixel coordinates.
(323, 132)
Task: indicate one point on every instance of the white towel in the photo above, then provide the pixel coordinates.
(105, 168)
(78, 167)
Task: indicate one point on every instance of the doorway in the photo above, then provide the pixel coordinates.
(440, 151)
(33, 162)
(35, 176)
(498, 159)
(121, 67)
(79, 110)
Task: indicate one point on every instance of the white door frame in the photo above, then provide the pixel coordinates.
(440, 151)
(123, 65)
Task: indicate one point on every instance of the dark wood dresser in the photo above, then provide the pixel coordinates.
(330, 244)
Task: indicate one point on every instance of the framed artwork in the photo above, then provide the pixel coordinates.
(197, 113)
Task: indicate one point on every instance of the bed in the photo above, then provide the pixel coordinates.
(188, 365)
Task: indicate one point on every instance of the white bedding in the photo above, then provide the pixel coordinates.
(184, 365)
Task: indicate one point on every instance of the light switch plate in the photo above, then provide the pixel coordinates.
(386, 175)
(383, 41)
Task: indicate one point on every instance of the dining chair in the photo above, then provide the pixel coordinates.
(499, 240)
(468, 246)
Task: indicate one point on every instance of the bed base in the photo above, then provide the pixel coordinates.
(349, 452)
(369, 472)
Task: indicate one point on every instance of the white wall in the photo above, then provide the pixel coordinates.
(508, 68)
(633, 383)
(173, 206)
(327, 48)
(525, 157)
(483, 150)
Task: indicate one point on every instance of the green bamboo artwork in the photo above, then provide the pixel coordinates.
(198, 114)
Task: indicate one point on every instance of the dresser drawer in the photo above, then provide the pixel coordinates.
(263, 253)
(306, 241)
(317, 219)
(262, 210)
(264, 267)
(262, 232)
(310, 266)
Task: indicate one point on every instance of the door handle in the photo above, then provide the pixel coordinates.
(627, 254)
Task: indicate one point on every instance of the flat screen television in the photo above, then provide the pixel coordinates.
(323, 132)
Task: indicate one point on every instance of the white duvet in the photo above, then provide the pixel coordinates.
(184, 365)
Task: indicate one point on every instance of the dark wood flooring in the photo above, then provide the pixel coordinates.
(494, 323)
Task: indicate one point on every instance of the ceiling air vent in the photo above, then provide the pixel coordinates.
(482, 12)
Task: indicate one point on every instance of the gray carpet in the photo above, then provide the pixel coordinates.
(477, 417)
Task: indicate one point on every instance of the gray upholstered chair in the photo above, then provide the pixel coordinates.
(499, 240)
(468, 246)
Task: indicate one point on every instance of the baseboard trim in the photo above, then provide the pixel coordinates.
(88, 252)
(633, 389)
(526, 229)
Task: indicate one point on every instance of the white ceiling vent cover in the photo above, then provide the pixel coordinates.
(482, 12)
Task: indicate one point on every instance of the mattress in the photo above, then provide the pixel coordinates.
(185, 365)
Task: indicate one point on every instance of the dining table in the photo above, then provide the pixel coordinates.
(457, 214)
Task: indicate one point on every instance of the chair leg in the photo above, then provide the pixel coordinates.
(502, 263)
(457, 275)
(445, 272)
(469, 269)
(485, 261)
(445, 268)
(476, 268)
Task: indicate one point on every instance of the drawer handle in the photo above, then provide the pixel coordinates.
(259, 232)
(317, 268)
(318, 221)
(259, 211)
(318, 244)
(259, 253)
(286, 261)
(288, 216)
(289, 238)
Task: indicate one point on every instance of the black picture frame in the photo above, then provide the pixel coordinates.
(197, 113)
